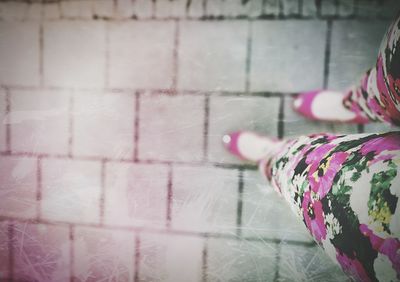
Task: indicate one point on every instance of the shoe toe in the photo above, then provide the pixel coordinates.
(230, 142)
(298, 101)
(302, 103)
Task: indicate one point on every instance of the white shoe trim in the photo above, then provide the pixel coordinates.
(254, 147)
(328, 105)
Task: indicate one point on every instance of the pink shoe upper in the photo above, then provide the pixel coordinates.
(248, 150)
(303, 105)
(232, 144)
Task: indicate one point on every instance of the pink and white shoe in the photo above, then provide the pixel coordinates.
(250, 146)
(325, 105)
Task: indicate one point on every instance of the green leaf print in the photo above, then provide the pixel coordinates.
(382, 203)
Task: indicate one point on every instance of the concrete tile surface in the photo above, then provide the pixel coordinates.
(141, 54)
(103, 254)
(114, 139)
(19, 65)
(240, 260)
(111, 119)
(207, 204)
(41, 252)
(229, 114)
(39, 121)
(74, 54)
(354, 50)
(273, 55)
(134, 197)
(168, 123)
(266, 214)
(3, 120)
(71, 191)
(212, 56)
(300, 263)
(18, 187)
(170, 258)
(4, 251)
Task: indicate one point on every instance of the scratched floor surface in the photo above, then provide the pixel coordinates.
(111, 164)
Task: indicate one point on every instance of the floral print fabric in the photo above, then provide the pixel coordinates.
(377, 96)
(346, 189)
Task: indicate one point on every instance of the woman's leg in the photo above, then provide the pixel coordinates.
(375, 98)
(378, 93)
(346, 189)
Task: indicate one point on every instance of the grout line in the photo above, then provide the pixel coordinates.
(39, 188)
(41, 13)
(154, 91)
(102, 191)
(281, 118)
(92, 8)
(263, 5)
(204, 6)
(147, 162)
(153, 230)
(356, 7)
(248, 55)
(204, 261)
(134, 12)
(8, 120)
(153, 9)
(41, 54)
(263, 16)
(318, 6)
(327, 53)
(62, 12)
(169, 196)
(280, 9)
(71, 125)
(107, 55)
(71, 253)
(187, 8)
(136, 127)
(175, 71)
(336, 7)
(353, 13)
(376, 5)
(299, 7)
(380, 4)
(206, 125)
(332, 128)
(360, 128)
(239, 210)
(277, 261)
(11, 249)
(301, 3)
(137, 258)
(114, 7)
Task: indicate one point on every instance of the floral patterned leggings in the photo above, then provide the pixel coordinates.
(346, 188)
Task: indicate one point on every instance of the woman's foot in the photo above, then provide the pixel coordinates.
(325, 105)
(250, 146)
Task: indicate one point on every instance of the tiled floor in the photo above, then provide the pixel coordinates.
(111, 164)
